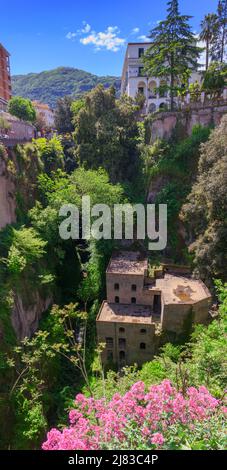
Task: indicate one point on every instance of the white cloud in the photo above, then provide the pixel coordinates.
(143, 38)
(86, 28)
(135, 31)
(71, 35)
(108, 39)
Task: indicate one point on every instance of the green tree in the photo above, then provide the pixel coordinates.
(219, 42)
(22, 108)
(204, 214)
(26, 248)
(76, 106)
(173, 52)
(64, 115)
(106, 134)
(51, 152)
(208, 32)
(215, 79)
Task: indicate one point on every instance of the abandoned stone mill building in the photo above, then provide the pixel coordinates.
(140, 303)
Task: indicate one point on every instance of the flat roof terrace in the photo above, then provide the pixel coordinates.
(178, 289)
(122, 313)
(127, 262)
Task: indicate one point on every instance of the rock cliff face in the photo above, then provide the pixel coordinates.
(29, 304)
(7, 196)
(25, 318)
(163, 126)
(156, 185)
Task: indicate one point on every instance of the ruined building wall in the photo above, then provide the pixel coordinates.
(126, 292)
(133, 336)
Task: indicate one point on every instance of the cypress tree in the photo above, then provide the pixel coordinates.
(173, 52)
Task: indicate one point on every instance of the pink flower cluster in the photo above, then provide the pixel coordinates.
(95, 422)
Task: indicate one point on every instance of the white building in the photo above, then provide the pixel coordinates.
(134, 79)
(46, 113)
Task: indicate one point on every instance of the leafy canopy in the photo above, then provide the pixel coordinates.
(22, 108)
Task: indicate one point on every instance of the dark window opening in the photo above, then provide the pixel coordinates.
(143, 331)
(157, 304)
(109, 342)
(122, 343)
(109, 355)
(142, 346)
(141, 73)
(117, 300)
(116, 286)
(141, 52)
(133, 300)
(134, 287)
(122, 355)
(121, 330)
(141, 90)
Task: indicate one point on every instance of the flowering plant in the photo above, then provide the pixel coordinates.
(161, 418)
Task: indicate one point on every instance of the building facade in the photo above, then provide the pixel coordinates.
(135, 81)
(138, 306)
(5, 78)
(45, 112)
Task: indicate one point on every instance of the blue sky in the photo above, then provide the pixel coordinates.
(90, 35)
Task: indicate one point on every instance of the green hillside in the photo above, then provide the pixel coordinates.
(53, 84)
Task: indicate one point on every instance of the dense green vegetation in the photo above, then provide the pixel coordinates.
(22, 108)
(176, 164)
(51, 85)
(112, 159)
(205, 210)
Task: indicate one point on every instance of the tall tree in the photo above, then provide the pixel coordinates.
(220, 39)
(63, 115)
(173, 52)
(208, 33)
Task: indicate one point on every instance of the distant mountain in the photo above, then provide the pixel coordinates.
(53, 84)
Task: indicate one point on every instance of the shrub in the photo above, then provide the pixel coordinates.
(162, 418)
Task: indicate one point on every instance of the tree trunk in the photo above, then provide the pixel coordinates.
(172, 85)
(207, 54)
(223, 35)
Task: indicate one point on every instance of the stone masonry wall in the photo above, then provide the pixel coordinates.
(163, 125)
(133, 337)
(125, 292)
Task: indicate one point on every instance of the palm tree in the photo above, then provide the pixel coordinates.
(208, 30)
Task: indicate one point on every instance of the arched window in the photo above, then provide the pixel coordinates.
(152, 89)
(116, 286)
(117, 300)
(133, 300)
(143, 346)
(163, 106)
(141, 87)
